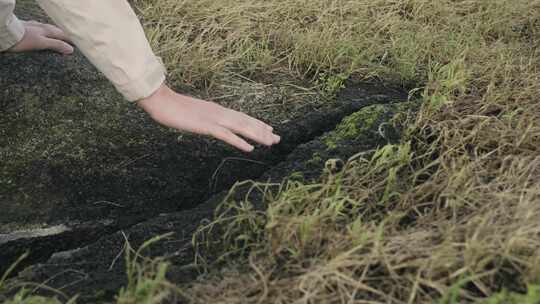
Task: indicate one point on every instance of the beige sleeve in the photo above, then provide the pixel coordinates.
(11, 29)
(111, 37)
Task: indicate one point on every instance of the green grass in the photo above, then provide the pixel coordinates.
(451, 214)
(24, 293)
(146, 277)
(146, 282)
(531, 297)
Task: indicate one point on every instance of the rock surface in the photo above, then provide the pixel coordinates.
(97, 267)
(74, 155)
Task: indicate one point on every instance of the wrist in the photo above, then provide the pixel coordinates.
(161, 93)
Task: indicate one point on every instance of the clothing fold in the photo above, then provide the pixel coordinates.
(108, 33)
(11, 28)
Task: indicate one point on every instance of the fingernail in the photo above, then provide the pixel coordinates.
(68, 50)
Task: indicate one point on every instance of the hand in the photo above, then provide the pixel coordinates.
(202, 117)
(40, 36)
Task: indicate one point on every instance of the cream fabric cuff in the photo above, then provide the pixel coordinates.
(11, 32)
(147, 83)
(110, 35)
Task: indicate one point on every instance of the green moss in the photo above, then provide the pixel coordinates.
(315, 159)
(355, 125)
(330, 84)
(531, 297)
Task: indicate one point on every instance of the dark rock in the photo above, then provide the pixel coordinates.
(74, 154)
(98, 266)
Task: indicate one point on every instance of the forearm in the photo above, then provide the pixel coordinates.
(111, 37)
(11, 29)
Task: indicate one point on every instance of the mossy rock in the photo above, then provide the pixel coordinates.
(74, 154)
(355, 125)
(307, 161)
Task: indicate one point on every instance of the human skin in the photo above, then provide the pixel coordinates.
(166, 106)
(40, 36)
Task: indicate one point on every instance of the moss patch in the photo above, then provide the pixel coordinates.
(355, 125)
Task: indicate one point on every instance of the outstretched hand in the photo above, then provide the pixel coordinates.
(41, 36)
(166, 106)
(207, 118)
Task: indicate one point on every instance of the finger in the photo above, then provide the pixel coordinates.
(58, 46)
(54, 32)
(254, 130)
(248, 127)
(266, 126)
(262, 123)
(274, 138)
(232, 139)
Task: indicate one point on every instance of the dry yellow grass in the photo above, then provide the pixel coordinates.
(463, 217)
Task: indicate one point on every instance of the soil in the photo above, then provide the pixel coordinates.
(81, 169)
